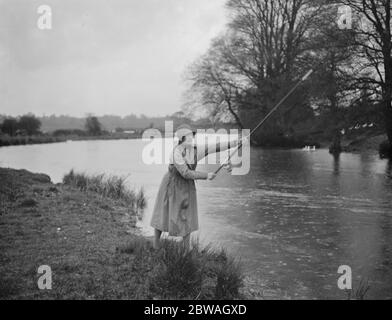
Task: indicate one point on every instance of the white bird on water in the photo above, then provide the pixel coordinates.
(309, 148)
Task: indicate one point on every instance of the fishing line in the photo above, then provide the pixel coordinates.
(306, 76)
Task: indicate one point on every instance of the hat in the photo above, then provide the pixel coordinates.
(184, 130)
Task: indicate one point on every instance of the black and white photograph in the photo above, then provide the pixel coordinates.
(195, 150)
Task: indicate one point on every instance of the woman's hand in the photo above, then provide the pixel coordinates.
(228, 166)
(211, 175)
(244, 140)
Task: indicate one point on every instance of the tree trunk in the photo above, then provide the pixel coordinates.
(388, 119)
(387, 92)
(335, 147)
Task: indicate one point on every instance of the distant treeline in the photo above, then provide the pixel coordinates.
(26, 125)
(112, 123)
(29, 129)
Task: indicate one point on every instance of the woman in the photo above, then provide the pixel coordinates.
(175, 209)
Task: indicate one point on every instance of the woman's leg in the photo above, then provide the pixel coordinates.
(186, 241)
(157, 237)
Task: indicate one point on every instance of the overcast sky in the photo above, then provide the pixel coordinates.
(102, 57)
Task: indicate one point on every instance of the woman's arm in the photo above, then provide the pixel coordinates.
(186, 173)
(204, 150)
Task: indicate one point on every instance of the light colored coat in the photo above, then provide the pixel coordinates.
(175, 209)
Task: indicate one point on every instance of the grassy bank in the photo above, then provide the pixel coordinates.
(84, 229)
(364, 143)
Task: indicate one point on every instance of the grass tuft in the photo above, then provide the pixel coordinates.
(360, 292)
(200, 273)
(113, 187)
(172, 272)
(178, 270)
(228, 276)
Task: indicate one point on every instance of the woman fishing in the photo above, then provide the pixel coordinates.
(175, 209)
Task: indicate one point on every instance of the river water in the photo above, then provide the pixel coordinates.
(293, 219)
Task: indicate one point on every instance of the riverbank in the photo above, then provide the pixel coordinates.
(364, 143)
(41, 139)
(92, 245)
(6, 141)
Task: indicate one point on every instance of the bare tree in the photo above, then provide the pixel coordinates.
(215, 84)
(252, 64)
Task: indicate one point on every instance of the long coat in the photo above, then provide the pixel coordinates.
(175, 209)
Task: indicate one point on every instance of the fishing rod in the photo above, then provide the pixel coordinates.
(266, 117)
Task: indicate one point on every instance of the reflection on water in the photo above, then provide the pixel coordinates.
(294, 219)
